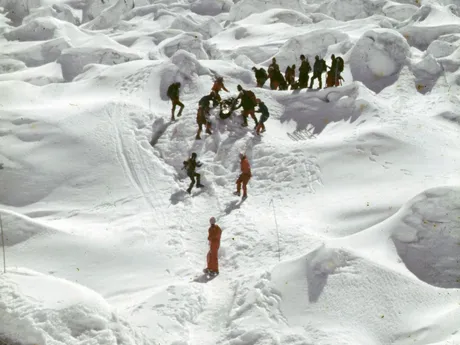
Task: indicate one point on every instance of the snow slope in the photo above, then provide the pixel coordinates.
(351, 231)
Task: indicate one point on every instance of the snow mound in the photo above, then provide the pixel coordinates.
(108, 52)
(351, 9)
(39, 309)
(11, 65)
(378, 57)
(444, 45)
(39, 76)
(110, 16)
(207, 29)
(245, 8)
(426, 72)
(42, 29)
(428, 24)
(277, 15)
(59, 11)
(5, 23)
(399, 11)
(143, 11)
(311, 44)
(211, 7)
(427, 236)
(191, 42)
(37, 53)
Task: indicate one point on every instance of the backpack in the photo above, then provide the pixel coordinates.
(263, 72)
(250, 97)
(340, 66)
(172, 90)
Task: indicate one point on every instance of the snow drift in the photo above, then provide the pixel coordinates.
(378, 57)
(427, 236)
(245, 8)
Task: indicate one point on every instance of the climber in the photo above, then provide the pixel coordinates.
(214, 234)
(173, 94)
(202, 116)
(304, 69)
(248, 102)
(244, 177)
(279, 78)
(191, 165)
(218, 85)
(318, 68)
(289, 75)
(333, 76)
(261, 76)
(263, 118)
(272, 74)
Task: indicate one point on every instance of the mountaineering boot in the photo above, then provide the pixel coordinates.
(197, 137)
(237, 193)
(213, 273)
(189, 190)
(199, 185)
(208, 131)
(244, 197)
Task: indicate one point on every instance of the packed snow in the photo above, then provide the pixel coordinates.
(351, 230)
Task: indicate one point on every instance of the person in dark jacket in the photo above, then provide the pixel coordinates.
(261, 76)
(304, 69)
(203, 113)
(173, 94)
(263, 117)
(248, 102)
(318, 69)
(190, 165)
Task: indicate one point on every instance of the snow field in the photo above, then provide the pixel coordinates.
(350, 231)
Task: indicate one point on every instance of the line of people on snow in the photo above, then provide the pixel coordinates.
(247, 98)
(214, 231)
(280, 82)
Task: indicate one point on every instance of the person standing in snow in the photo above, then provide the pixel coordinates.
(263, 118)
(218, 85)
(214, 235)
(261, 76)
(190, 165)
(173, 94)
(273, 71)
(248, 102)
(289, 75)
(304, 69)
(318, 68)
(244, 177)
(202, 116)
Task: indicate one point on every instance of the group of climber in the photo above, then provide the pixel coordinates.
(280, 82)
(248, 102)
(215, 232)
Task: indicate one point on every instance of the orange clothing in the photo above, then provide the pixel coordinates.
(214, 234)
(218, 85)
(244, 166)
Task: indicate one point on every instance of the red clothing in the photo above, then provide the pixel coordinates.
(245, 167)
(218, 85)
(214, 234)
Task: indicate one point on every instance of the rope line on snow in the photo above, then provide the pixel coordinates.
(277, 231)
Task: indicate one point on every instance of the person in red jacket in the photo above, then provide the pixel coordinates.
(244, 177)
(218, 85)
(214, 234)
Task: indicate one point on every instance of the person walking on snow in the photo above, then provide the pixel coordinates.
(318, 69)
(248, 102)
(202, 116)
(263, 118)
(191, 165)
(244, 177)
(218, 85)
(214, 234)
(173, 94)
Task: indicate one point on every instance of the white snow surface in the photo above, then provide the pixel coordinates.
(351, 231)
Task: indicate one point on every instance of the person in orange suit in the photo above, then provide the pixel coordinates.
(218, 85)
(214, 234)
(244, 177)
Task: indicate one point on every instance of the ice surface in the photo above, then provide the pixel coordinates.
(350, 233)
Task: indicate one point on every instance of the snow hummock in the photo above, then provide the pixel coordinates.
(350, 232)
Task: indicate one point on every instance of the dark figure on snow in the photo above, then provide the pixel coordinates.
(244, 177)
(289, 75)
(273, 70)
(173, 94)
(282, 84)
(202, 116)
(318, 69)
(333, 76)
(218, 85)
(263, 118)
(304, 69)
(190, 165)
(261, 76)
(248, 102)
(214, 235)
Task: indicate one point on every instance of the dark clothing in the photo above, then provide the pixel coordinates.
(173, 91)
(304, 69)
(264, 112)
(204, 101)
(191, 165)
